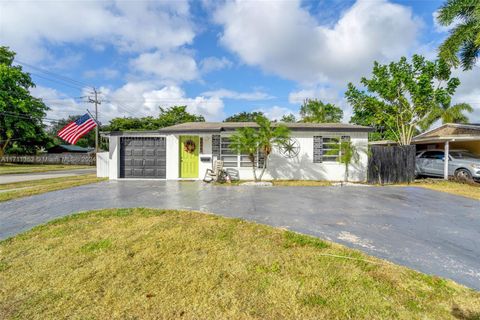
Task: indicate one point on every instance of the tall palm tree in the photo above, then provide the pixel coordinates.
(447, 114)
(464, 39)
(245, 141)
(251, 141)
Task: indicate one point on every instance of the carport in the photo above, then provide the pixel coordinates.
(448, 137)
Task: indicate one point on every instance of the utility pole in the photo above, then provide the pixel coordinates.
(96, 102)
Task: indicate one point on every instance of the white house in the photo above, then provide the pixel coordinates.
(187, 150)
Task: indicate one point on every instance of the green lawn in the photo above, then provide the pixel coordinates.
(154, 264)
(15, 190)
(10, 168)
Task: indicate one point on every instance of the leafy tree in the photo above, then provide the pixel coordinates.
(401, 95)
(288, 118)
(167, 117)
(348, 155)
(244, 117)
(176, 115)
(463, 44)
(21, 114)
(447, 114)
(262, 139)
(245, 141)
(86, 141)
(316, 111)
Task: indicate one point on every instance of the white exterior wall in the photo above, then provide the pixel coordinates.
(302, 166)
(173, 163)
(102, 164)
(279, 167)
(113, 158)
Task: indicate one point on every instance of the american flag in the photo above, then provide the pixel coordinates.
(73, 131)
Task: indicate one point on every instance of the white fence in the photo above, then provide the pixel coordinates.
(102, 164)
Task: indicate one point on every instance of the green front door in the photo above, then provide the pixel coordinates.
(189, 146)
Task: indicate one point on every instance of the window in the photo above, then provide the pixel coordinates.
(432, 155)
(228, 156)
(327, 149)
(331, 151)
(231, 159)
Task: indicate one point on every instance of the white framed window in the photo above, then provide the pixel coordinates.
(331, 150)
(327, 149)
(232, 159)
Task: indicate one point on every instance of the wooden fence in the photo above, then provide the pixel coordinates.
(52, 158)
(391, 164)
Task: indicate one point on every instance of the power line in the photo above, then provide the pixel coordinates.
(25, 116)
(58, 81)
(59, 76)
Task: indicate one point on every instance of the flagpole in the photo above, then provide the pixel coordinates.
(96, 128)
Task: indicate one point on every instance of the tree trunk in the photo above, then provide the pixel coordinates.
(254, 169)
(4, 147)
(346, 173)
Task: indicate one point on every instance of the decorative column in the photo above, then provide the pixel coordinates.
(445, 162)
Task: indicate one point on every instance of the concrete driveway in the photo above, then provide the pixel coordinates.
(432, 232)
(19, 177)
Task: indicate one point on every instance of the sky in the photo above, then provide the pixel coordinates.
(217, 57)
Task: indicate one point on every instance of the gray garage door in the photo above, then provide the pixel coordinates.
(143, 157)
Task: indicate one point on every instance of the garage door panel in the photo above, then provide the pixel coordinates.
(138, 162)
(149, 152)
(137, 152)
(143, 157)
(149, 162)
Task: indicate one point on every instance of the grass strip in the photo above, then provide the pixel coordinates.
(13, 168)
(16, 190)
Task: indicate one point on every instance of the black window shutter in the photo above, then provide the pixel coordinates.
(317, 149)
(216, 145)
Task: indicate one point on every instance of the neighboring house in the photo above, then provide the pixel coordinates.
(186, 150)
(67, 148)
(450, 136)
(455, 135)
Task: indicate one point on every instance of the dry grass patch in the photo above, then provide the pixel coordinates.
(469, 190)
(154, 264)
(11, 168)
(15, 190)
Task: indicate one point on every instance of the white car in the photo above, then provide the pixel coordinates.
(462, 164)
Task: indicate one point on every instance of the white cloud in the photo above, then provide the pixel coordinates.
(277, 112)
(167, 66)
(283, 38)
(326, 94)
(211, 64)
(441, 28)
(29, 27)
(104, 73)
(230, 94)
(139, 99)
(134, 99)
(469, 91)
(61, 106)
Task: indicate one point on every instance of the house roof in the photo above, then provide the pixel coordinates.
(228, 126)
(213, 127)
(450, 132)
(70, 148)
